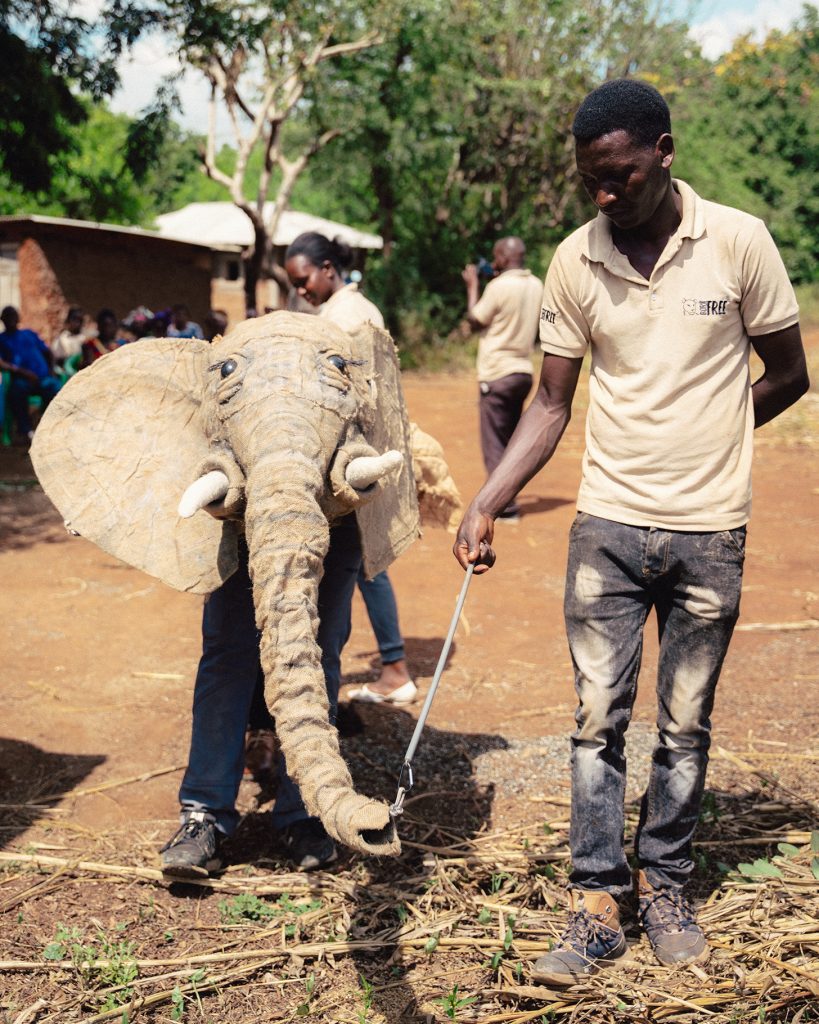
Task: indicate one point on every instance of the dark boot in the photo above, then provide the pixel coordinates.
(593, 939)
(670, 923)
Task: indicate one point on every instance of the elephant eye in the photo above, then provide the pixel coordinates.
(228, 366)
(339, 363)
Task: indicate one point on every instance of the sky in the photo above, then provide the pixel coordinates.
(714, 25)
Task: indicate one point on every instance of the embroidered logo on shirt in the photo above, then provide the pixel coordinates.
(548, 316)
(705, 307)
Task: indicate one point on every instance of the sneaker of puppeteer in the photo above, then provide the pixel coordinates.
(261, 752)
(194, 850)
(593, 939)
(309, 845)
(670, 923)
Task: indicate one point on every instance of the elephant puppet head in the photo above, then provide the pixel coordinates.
(287, 423)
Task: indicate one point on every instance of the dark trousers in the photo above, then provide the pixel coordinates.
(501, 405)
(616, 574)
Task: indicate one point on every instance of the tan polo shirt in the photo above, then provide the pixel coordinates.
(669, 431)
(509, 309)
(349, 309)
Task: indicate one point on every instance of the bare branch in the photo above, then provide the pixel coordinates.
(371, 39)
(209, 156)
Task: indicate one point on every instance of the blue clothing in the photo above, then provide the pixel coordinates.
(190, 330)
(616, 574)
(27, 350)
(228, 672)
(383, 614)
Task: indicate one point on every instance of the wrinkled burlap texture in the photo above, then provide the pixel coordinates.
(125, 437)
(439, 501)
(289, 413)
(119, 445)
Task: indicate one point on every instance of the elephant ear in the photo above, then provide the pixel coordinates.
(116, 449)
(389, 525)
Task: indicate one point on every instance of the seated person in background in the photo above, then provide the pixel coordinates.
(181, 325)
(30, 363)
(69, 341)
(107, 340)
(139, 323)
(216, 323)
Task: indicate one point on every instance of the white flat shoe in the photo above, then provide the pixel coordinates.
(405, 694)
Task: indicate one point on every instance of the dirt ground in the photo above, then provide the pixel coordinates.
(98, 663)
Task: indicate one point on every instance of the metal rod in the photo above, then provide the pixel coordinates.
(397, 807)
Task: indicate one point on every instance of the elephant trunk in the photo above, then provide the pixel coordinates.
(288, 537)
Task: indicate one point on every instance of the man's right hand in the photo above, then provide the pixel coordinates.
(473, 544)
(470, 275)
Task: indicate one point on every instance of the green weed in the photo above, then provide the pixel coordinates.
(366, 999)
(247, 907)
(309, 987)
(117, 971)
(452, 1002)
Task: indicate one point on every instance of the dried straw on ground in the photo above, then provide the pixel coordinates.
(390, 941)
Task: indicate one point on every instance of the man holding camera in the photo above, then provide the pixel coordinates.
(507, 314)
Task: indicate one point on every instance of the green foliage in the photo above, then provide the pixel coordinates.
(761, 868)
(366, 999)
(248, 907)
(177, 1004)
(94, 180)
(498, 880)
(303, 1009)
(46, 54)
(709, 811)
(118, 969)
(452, 1002)
(749, 137)
(454, 128)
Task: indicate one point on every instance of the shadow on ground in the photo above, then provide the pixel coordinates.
(447, 806)
(32, 781)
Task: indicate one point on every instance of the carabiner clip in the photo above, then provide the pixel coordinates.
(397, 807)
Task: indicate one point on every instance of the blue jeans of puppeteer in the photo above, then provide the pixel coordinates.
(228, 671)
(383, 615)
(616, 574)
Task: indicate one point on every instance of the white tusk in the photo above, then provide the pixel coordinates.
(211, 487)
(366, 469)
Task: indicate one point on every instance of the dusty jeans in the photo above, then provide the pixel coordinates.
(616, 574)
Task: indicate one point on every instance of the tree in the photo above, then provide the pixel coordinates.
(45, 53)
(258, 60)
(464, 128)
(750, 137)
(95, 180)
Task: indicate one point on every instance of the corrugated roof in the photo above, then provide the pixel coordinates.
(224, 223)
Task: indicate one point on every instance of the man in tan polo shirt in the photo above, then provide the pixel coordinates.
(670, 293)
(507, 316)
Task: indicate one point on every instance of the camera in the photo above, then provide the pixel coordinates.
(485, 268)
